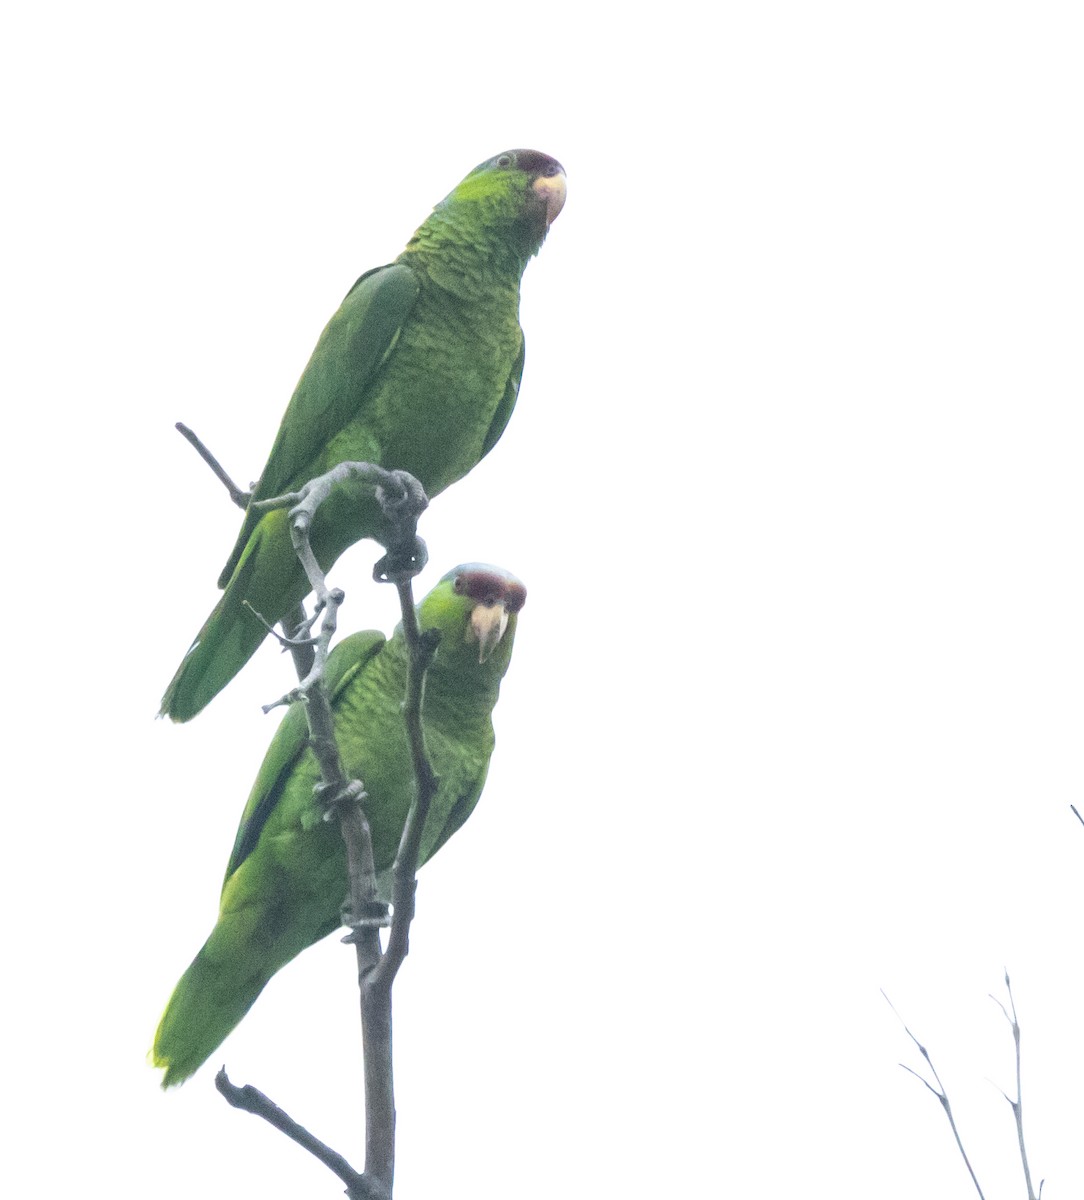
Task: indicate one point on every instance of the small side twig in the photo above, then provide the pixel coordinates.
(301, 651)
(939, 1092)
(252, 1100)
(1017, 1105)
(294, 621)
(238, 495)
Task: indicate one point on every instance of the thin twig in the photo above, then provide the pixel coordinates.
(1077, 813)
(1017, 1105)
(295, 620)
(252, 1100)
(939, 1092)
(238, 495)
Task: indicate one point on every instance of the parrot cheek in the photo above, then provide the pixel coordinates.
(488, 623)
(552, 189)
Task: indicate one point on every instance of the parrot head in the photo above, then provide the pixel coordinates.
(475, 607)
(506, 204)
(527, 179)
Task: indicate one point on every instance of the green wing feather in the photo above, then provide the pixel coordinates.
(262, 571)
(508, 402)
(292, 736)
(333, 390)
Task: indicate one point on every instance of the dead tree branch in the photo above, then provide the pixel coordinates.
(402, 500)
(237, 495)
(940, 1092)
(1017, 1105)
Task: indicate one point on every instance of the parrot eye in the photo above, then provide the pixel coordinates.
(505, 160)
(458, 584)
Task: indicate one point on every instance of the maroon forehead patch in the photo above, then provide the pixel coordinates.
(534, 162)
(489, 587)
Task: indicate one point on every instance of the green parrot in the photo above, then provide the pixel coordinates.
(417, 371)
(286, 880)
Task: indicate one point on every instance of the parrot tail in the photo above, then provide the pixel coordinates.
(266, 576)
(204, 1009)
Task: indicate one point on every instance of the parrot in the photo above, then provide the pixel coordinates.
(287, 878)
(417, 371)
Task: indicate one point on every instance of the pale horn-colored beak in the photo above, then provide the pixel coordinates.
(554, 189)
(488, 622)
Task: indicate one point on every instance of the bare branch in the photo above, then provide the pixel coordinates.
(939, 1092)
(294, 624)
(238, 495)
(252, 1100)
(1017, 1105)
(422, 647)
(402, 500)
(294, 621)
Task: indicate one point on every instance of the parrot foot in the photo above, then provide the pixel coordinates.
(402, 562)
(370, 914)
(409, 504)
(406, 552)
(334, 798)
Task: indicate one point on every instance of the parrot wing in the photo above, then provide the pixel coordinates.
(508, 402)
(331, 392)
(348, 658)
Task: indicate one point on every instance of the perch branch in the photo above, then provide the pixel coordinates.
(376, 981)
(422, 647)
(402, 500)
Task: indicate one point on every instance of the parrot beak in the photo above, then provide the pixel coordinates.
(488, 623)
(552, 189)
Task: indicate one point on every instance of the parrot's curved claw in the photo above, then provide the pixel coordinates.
(402, 562)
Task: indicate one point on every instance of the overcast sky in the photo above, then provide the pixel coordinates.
(794, 483)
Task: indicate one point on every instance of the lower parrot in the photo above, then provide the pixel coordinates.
(417, 371)
(286, 880)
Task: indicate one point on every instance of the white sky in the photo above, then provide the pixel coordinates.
(795, 485)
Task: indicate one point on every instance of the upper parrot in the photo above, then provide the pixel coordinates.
(417, 371)
(286, 879)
